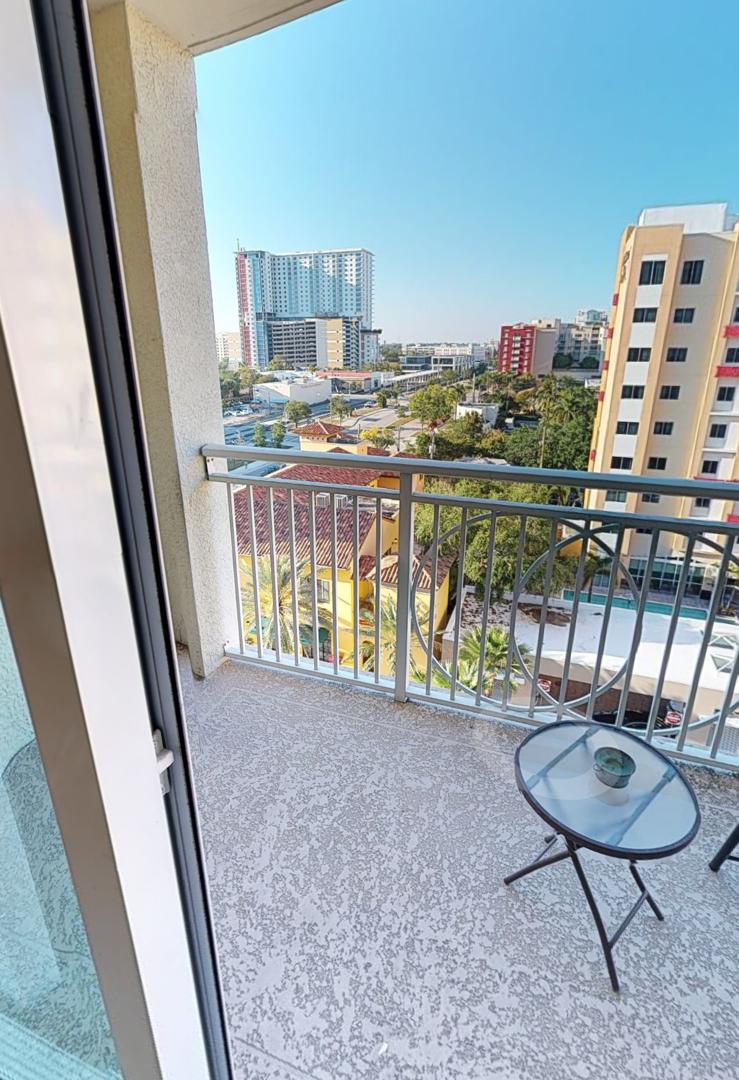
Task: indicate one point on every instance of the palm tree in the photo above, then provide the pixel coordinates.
(284, 602)
(388, 642)
(494, 667)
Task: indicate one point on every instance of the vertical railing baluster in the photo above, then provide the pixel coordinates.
(313, 575)
(715, 603)
(378, 590)
(638, 624)
(255, 570)
(405, 564)
(486, 609)
(726, 705)
(277, 629)
(579, 575)
(607, 609)
(459, 602)
(515, 593)
(334, 588)
(543, 616)
(237, 566)
(674, 618)
(294, 574)
(355, 571)
(433, 571)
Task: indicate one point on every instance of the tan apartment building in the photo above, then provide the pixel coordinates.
(669, 399)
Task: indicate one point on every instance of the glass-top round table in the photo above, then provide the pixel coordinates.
(603, 788)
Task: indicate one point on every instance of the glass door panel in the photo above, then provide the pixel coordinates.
(53, 1022)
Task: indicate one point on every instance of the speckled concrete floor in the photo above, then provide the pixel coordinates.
(356, 849)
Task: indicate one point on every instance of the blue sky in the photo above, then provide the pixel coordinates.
(488, 153)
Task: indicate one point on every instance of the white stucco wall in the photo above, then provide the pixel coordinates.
(147, 86)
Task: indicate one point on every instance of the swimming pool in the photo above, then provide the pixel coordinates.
(625, 602)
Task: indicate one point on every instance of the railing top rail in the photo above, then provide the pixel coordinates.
(464, 470)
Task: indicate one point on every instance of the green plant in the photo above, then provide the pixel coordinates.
(284, 614)
(296, 411)
(260, 435)
(278, 433)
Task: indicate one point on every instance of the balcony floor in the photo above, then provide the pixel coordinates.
(356, 849)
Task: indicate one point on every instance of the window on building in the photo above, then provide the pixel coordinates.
(717, 431)
(676, 355)
(627, 427)
(645, 314)
(736, 315)
(684, 314)
(323, 591)
(732, 355)
(709, 467)
(725, 393)
(702, 504)
(621, 462)
(652, 272)
(615, 496)
(692, 272)
(669, 393)
(650, 497)
(663, 427)
(631, 391)
(659, 463)
(638, 356)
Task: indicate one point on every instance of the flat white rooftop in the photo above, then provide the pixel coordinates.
(694, 217)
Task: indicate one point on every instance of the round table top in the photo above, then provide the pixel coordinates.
(656, 814)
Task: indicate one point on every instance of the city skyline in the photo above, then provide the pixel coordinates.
(491, 195)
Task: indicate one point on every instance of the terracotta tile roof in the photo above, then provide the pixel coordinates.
(377, 451)
(333, 474)
(389, 571)
(324, 550)
(320, 429)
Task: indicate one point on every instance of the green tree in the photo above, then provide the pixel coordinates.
(340, 407)
(260, 435)
(432, 406)
(561, 361)
(507, 533)
(278, 363)
(522, 447)
(590, 363)
(381, 399)
(296, 411)
(379, 437)
(278, 433)
(284, 614)
(494, 664)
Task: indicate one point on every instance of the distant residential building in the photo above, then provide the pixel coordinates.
(442, 357)
(299, 285)
(669, 399)
(584, 337)
(228, 347)
(369, 347)
(316, 343)
(528, 348)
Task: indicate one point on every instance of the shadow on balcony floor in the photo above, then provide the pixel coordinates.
(356, 849)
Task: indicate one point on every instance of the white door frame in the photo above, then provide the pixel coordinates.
(68, 609)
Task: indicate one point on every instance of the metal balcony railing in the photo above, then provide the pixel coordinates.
(425, 580)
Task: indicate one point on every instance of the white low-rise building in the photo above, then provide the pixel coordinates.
(313, 391)
(488, 413)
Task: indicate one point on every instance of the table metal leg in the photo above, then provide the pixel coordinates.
(607, 943)
(539, 861)
(725, 851)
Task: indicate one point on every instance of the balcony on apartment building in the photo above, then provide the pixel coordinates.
(354, 758)
(392, 630)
